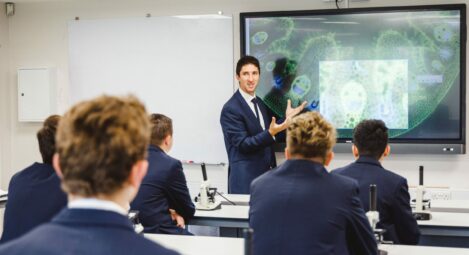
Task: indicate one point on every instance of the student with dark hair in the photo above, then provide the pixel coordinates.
(249, 128)
(163, 201)
(370, 147)
(34, 194)
(101, 151)
(299, 208)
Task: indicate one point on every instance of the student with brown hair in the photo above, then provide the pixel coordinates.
(101, 150)
(163, 201)
(34, 194)
(299, 208)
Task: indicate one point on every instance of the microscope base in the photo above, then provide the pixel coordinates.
(422, 215)
(211, 206)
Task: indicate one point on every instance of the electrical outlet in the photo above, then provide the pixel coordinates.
(441, 195)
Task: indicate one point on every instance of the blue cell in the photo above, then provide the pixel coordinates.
(259, 37)
(270, 66)
(300, 86)
(446, 53)
(443, 33)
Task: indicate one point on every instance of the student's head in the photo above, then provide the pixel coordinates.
(247, 73)
(310, 136)
(46, 138)
(101, 147)
(161, 131)
(370, 138)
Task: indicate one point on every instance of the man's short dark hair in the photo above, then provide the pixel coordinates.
(371, 138)
(246, 60)
(161, 127)
(46, 138)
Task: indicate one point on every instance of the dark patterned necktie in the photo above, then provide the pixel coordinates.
(254, 101)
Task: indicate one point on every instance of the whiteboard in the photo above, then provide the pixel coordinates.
(180, 66)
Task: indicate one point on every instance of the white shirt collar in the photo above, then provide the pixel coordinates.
(94, 203)
(246, 96)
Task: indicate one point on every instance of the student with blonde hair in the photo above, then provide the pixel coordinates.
(300, 208)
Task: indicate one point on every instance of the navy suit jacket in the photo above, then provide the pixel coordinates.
(299, 208)
(249, 147)
(34, 197)
(163, 187)
(84, 231)
(395, 214)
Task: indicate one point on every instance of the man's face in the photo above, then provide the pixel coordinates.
(248, 78)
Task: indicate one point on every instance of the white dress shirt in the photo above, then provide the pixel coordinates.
(248, 99)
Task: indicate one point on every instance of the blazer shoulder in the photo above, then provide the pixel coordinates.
(265, 177)
(338, 170)
(344, 181)
(394, 178)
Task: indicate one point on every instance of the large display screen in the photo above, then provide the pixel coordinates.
(404, 65)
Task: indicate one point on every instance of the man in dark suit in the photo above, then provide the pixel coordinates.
(101, 150)
(34, 194)
(249, 128)
(163, 200)
(370, 146)
(299, 208)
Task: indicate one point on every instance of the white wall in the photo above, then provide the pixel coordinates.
(4, 92)
(38, 37)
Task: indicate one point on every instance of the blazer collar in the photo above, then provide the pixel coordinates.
(44, 167)
(304, 165)
(368, 160)
(92, 217)
(155, 148)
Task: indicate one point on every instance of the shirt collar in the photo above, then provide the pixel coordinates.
(246, 96)
(94, 203)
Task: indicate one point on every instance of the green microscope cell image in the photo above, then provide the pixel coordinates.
(349, 68)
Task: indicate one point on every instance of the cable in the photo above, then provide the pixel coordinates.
(226, 198)
(337, 4)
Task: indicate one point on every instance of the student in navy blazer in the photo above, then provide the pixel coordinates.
(370, 146)
(34, 194)
(249, 128)
(101, 150)
(299, 208)
(163, 201)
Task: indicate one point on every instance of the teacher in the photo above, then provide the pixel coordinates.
(249, 129)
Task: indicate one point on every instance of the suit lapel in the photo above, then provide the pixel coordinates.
(252, 120)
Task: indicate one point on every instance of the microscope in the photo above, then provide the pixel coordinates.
(373, 214)
(373, 218)
(422, 206)
(206, 198)
(133, 217)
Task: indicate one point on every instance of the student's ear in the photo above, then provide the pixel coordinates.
(329, 157)
(355, 151)
(387, 151)
(139, 170)
(287, 153)
(167, 140)
(56, 164)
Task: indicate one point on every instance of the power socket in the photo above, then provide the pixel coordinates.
(441, 195)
